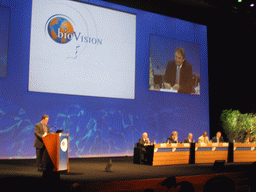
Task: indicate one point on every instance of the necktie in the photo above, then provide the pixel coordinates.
(45, 128)
(178, 75)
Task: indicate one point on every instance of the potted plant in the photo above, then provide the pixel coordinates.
(237, 126)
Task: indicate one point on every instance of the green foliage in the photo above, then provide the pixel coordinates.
(236, 125)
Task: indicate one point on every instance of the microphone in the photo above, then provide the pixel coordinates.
(56, 129)
(53, 127)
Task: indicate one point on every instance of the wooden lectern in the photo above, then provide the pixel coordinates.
(57, 145)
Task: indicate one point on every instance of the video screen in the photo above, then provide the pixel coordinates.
(174, 65)
(82, 49)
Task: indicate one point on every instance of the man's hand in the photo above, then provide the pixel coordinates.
(176, 87)
(167, 86)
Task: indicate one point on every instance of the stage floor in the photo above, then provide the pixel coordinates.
(91, 170)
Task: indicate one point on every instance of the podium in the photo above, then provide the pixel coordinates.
(57, 147)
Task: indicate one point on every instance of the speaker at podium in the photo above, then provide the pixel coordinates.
(57, 145)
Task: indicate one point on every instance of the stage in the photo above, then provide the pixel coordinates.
(90, 172)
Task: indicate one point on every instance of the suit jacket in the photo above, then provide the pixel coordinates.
(214, 139)
(171, 140)
(142, 142)
(187, 141)
(39, 131)
(185, 85)
(203, 139)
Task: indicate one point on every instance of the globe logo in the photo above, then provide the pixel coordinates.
(64, 145)
(60, 29)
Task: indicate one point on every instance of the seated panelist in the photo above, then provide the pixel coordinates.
(142, 143)
(189, 139)
(173, 138)
(203, 138)
(218, 138)
(144, 140)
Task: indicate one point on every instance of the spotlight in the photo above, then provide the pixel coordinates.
(218, 165)
(252, 5)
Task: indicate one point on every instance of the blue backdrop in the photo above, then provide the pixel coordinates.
(100, 126)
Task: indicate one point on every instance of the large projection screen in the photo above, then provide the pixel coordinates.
(82, 49)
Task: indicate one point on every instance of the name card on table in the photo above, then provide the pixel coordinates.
(214, 144)
(203, 144)
(174, 145)
(225, 144)
(186, 145)
(163, 144)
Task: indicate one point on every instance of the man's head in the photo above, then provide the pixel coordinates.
(190, 135)
(174, 133)
(179, 56)
(205, 134)
(45, 119)
(145, 135)
(218, 134)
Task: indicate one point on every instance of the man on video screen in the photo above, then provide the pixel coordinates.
(178, 74)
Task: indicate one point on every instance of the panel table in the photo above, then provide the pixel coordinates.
(170, 154)
(244, 152)
(209, 153)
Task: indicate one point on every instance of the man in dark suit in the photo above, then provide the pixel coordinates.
(173, 138)
(218, 138)
(41, 130)
(142, 143)
(189, 139)
(144, 140)
(178, 74)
